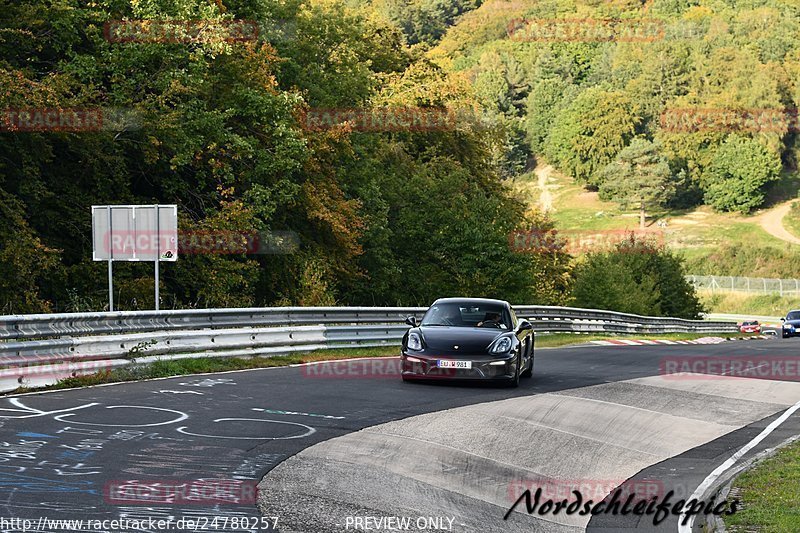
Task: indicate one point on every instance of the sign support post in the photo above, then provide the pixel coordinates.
(110, 265)
(158, 251)
(110, 286)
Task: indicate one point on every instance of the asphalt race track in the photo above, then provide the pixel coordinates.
(334, 442)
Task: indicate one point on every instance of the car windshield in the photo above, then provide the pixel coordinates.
(466, 315)
(793, 315)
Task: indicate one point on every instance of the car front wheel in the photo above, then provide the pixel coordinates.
(514, 381)
(529, 371)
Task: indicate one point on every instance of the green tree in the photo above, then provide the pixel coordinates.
(589, 133)
(737, 175)
(640, 176)
(24, 261)
(542, 106)
(636, 276)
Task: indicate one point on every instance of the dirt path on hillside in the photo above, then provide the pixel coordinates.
(772, 222)
(546, 197)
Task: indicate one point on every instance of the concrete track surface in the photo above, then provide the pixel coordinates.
(349, 440)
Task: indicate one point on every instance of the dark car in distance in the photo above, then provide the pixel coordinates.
(791, 324)
(468, 339)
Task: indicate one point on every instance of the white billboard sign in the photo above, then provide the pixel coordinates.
(134, 232)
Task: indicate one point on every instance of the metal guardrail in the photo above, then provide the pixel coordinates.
(38, 348)
(50, 325)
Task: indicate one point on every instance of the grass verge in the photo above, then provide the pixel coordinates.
(739, 303)
(554, 340)
(769, 494)
(205, 365)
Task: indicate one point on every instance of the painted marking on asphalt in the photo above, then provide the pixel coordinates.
(177, 392)
(36, 435)
(208, 382)
(181, 416)
(278, 412)
(713, 476)
(33, 412)
(310, 431)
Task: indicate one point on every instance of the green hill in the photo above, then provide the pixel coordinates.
(708, 90)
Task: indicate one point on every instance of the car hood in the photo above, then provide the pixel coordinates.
(469, 340)
(795, 323)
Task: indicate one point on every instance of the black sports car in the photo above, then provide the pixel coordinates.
(468, 338)
(791, 324)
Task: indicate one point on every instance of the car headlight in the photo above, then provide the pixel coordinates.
(414, 341)
(501, 345)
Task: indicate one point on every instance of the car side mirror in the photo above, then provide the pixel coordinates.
(524, 325)
(412, 321)
(783, 319)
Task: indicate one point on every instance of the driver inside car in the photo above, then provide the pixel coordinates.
(490, 319)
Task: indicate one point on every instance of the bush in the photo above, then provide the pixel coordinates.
(738, 173)
(637, 276)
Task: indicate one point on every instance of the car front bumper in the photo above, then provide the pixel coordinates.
(483, 367)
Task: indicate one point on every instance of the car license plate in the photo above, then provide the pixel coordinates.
(443, 363)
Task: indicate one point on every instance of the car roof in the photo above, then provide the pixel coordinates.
(472, 301)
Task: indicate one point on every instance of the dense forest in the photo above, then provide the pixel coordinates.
(395, 217)
(382, 218)
(700, 96)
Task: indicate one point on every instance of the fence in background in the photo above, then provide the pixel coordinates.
(40, 349)
(782, 287)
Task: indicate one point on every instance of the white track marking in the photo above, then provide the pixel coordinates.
(713, 476)
(22, 408)
(306, 434)
(181, 416)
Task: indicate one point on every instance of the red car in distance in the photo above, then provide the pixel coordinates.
(750, 326)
